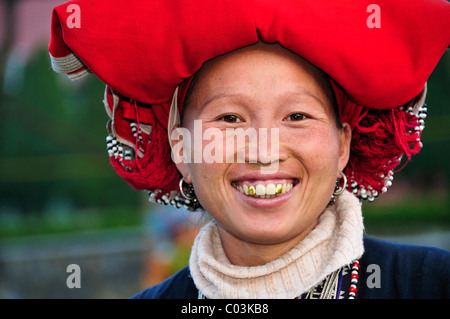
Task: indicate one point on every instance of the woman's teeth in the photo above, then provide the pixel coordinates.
(264, 191)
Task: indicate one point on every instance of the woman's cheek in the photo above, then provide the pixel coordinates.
(208, 181)
(316, 148)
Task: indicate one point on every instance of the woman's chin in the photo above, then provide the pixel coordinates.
(265, 227)
(270, 241)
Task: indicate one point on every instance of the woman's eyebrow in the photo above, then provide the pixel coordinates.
(303, 92)
(296, 93)
(221, 96)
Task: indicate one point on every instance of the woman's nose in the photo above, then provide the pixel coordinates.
(265, 147)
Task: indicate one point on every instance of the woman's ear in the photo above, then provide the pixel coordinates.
(179, 140)
(345, 137)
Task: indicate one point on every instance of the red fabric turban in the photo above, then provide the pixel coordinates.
(378, 57)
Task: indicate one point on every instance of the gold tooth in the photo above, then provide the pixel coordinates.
(279, 189)
(251, 190)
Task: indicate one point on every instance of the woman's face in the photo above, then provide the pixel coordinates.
(266, 87)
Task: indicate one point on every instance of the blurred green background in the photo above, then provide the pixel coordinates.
(61, 201)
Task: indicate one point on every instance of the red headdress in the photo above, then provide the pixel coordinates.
(378, 58)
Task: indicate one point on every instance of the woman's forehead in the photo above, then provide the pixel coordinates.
(263, 56)
(259, 69)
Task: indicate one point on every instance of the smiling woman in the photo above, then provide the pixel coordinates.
(275, 124)
(266, 86)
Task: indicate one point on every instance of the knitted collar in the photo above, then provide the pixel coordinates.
(334, 243)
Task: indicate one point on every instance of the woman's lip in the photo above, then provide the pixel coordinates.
(259, 202)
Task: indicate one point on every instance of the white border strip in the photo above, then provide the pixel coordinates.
(69, 65)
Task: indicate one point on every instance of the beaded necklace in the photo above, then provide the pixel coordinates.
(331, 286)
(353, 290)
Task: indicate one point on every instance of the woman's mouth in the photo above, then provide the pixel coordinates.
(265, 188)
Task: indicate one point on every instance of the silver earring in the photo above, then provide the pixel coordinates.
(190, 195)
(338, 189)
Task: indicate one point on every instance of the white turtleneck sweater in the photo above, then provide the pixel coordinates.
(335, 242)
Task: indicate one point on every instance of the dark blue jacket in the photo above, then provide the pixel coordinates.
(404, 271)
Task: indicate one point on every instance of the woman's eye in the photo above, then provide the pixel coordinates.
(296, 117)
(230, 118)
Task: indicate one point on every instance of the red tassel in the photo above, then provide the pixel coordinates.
(379, 142)
(380, 138)
(155, 170)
